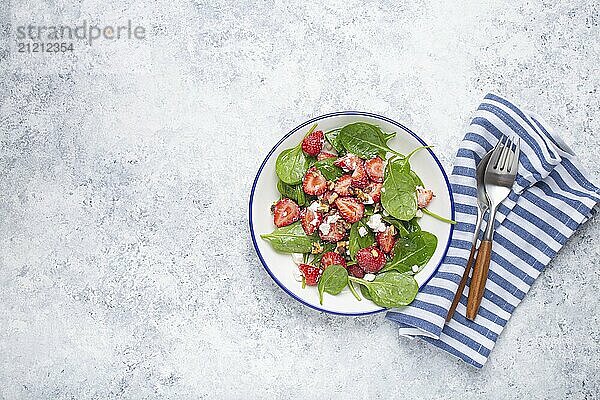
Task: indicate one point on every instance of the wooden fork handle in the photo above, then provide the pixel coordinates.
(480, 274)
(461, 285)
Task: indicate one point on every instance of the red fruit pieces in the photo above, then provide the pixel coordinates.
(285, 212)
(350, 209)
(374, 169)
(311, 274)
(342, 185)
(313, 143)
(332, 258)
(360, 179)
(348, 162)
(386, 239)
(424, 197)
(333, 231)
(373, 189)
(310, 220)
(356, 271)
(324, 155)
(370, 259)
(314, 182)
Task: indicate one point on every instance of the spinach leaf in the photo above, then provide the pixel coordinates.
(399, 225)
(438, 217)
(357, 242)
(412, 225)
(390, 289)
(292, 164)
(332, 138)
(330, 172)
(415, 249)
(416, 178)
(290, 239)
(365, 140)
(333, 281)
(365, 292)
(398, 194)
(293, 192)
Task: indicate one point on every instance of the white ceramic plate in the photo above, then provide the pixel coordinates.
(264, 193)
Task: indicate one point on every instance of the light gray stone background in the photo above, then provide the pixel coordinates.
(126, 267)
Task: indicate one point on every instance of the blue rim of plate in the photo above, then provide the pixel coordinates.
(311, 121)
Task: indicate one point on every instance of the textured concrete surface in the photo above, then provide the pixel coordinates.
(126, 270)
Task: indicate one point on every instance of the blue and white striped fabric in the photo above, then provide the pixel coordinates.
(551, 197)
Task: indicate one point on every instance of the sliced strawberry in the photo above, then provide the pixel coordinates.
(373, 189)
(313, 143)
(323, 155)
(360, 179)
(386, 239)
(311, 274)
(370, 259)
(332, 258)
(356, 271)
(350, 209)
(314, 182)
(310, 220)
(343, 184)
(332, 232)
(348, 162)
(424, 197)
(374, 169)
(285, 212)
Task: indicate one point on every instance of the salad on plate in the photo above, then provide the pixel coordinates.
(349, 214)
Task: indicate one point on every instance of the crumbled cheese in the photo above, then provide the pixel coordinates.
(314, 206)
(328, 148)
(325, 228)
(298, 258)
(369, 277)
(315, 221)
(376, 223)
(383, 190)
(419, 214)
(297, 275)
(332, 219)
(362, 231)
(415, 268)
(385, 213)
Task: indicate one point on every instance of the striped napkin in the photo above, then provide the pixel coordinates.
(551, 197)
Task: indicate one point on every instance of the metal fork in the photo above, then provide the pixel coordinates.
(500, 175)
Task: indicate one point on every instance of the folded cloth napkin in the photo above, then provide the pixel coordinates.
(552, 196)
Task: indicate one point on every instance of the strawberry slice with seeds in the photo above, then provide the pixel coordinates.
(370, 259)
(313, 143)
(373, 189)
(332, 258)
(424, 197)
(343, 184)
(350, 209)
(323, 155)
(314, 182)
(360, 179)
(310, 220)
(348, 162)
(311, 274)
(356, 271)
(374, 169)
(386, 239)
(285, 212)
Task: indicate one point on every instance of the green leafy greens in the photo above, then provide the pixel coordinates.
(290, 239)
(333, 281)
(292, 164)
(365, 140)
(390, 289)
